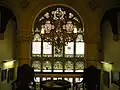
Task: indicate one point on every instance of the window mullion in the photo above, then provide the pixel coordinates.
(41, 47)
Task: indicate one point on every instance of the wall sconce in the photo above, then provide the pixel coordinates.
(105, 62)
(107, 66)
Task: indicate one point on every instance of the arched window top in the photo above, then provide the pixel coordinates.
(58, 25)
(58, 18)
(64, 14)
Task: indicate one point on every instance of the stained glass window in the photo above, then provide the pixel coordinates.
(58, 37)
(37, 79)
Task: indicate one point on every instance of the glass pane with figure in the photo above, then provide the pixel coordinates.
(69, 49)
(47, 66)
(47, 49)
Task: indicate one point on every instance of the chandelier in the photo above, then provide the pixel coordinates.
(59, 27)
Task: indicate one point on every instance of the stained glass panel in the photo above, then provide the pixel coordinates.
(69, 79)
(68, 27)
(48, 78)
(37, 79)
(69, 66)
(47, 67)
(79, 38)
(36, 65)
(79, 47)
(36, 55)
(37, 37)
(58, 67)
(36, 47)
(47, 48)
(78, 79)
(58, 52)
(54, 78)
(79, 67)
(69, 49)
(44, 78)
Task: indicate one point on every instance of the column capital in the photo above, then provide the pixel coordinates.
(24, 36)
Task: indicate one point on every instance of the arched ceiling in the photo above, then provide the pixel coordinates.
(5, 15)
(112, 16)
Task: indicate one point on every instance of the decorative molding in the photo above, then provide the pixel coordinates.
(92, 4)
(24, 36)
(24, 4)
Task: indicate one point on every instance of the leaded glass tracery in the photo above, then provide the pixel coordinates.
(69, 49)
(47, 66)
(69, 66)
(58, 66)
(58, 33)
(47, 49)
(79, 67)
(37, 66)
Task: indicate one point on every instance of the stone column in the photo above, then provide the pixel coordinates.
(91, 54)
(23, 51)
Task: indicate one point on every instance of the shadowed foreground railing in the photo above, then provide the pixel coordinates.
(74, 78)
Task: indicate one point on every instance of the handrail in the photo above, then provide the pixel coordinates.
(59, 74)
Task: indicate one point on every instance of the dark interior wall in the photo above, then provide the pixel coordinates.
(5, 15)
(110, 47)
